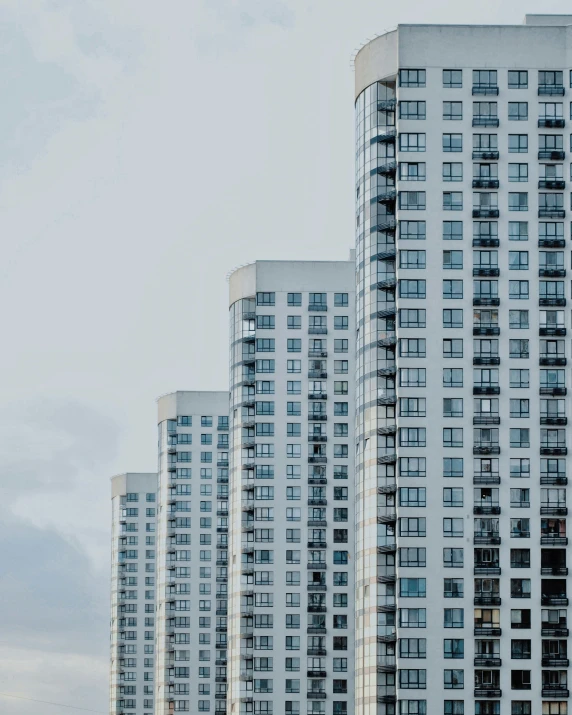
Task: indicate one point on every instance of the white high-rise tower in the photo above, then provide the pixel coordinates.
(463, 247)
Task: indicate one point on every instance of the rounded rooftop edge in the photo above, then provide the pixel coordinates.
(431, 45)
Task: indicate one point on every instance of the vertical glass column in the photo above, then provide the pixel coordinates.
(242, 445)
(376, 456)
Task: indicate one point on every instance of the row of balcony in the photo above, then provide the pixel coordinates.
(544, 330)
(545, 359)
(554, 89)
(545, 510)
(484, 242)
(489, 418)
(493, 448)
(490, 570)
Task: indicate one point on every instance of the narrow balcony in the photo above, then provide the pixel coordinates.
(486, 212)
(550, 90)
(387, 136)
(386, 105)
(387, 226)
(553, 540)
(550, 359)
(553, 600)
(555, 661)
(485, 89)
(486, 154)
(387, 169)
(491, 539)
(486, 600)
(487, 571)
(483, 661)
(486, 360)
(551, 122)
(486, 389)
(389, 548)
(553, 391)
(486, 271)
(486, 448)
(487, 693)
(551, 213)
(485, 121)
(553, 419)
(486, 300)
(388, 665)
(551, 154)
(553, 451)
(316, 609)
(486, 419)
(551, 242)
(545, 272)
(553, 570)
(558, 184)
(485, 183)
(486, 329)
(481, 478)
(486, 242)
(552, 302)
(554, 690)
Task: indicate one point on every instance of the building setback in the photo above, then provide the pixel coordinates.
(463, 247)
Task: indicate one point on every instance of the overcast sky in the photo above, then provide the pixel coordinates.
(147, 148)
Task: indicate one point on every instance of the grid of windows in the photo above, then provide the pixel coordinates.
(293, 510)
(513, 227)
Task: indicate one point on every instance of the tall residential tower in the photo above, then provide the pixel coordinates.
(291, 502)
(463, 248)
(133, 511)
(192, 553)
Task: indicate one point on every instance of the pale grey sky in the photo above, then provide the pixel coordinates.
(147, 149)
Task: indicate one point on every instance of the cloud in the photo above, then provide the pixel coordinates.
(48, 444)
(51, 597)
(60, 61)
(251, 12)
(54, 546)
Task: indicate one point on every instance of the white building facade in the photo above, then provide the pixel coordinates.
(463, 245)
(291, 502)
(192, 554)
(132, 659)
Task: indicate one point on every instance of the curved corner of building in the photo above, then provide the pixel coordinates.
(376, 61)
(167, 406)
(242, 283)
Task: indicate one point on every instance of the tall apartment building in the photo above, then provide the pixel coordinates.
(192, 553)
(463, 247)
(133, 505)
(291, 503)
